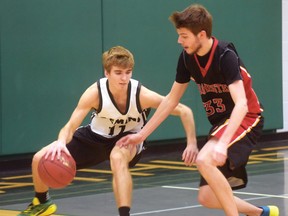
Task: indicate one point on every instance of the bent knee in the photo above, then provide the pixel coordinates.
(202, 162)
(118, 160)
(37, 156)
(116, 156)
(205, 199)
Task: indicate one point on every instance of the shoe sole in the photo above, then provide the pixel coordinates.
(274, 211)
(49, 211)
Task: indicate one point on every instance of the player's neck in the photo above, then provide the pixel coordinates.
(119, 95)
(206, 47)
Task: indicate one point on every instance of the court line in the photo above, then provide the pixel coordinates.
(166, 210)
(261, 196)
(184, 207)
(235, 192)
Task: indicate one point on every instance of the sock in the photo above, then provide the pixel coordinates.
(124, 211)
(43, 197)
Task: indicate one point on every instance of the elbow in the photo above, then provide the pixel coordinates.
(171, 103)
(182, 110)
(244, 106)
(186, 112)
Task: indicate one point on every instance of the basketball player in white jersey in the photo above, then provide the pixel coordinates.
(120, 106)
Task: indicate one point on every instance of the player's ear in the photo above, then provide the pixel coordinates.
(202, 34)
(106, 73)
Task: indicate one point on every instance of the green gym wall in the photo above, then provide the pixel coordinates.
(50, 52)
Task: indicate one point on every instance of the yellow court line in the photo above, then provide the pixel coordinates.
(182, 163)
(110, 172)
(275, 148)
(153, 166)
(265, 154)
(267, 159)
(89, 179)
(169, 162)
(17, 177)
(254, 162)
(13, 183)
(7, 185)
(96, 171)
(13, 213)
(141, 174)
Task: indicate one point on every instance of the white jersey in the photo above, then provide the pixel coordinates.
(108, 121)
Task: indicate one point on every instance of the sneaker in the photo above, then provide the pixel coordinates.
(37, 209)
(270, 211)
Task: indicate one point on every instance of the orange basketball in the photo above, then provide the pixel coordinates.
(57, 173)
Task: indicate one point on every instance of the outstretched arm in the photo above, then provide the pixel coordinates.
(152, 99)
(166, 107)
(190, 153)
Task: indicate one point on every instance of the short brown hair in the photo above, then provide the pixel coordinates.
(117, 56)
(195, 18)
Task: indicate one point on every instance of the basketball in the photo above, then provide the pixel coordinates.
(57, 173)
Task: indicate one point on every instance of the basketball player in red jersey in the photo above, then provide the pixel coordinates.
(231, 105)
(121, 106)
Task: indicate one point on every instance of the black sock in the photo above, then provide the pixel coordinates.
(43, 197)
(124, 211)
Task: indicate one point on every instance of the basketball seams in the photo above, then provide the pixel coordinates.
(48, 174)
(48, 170)
(66, 168)
(57, 173)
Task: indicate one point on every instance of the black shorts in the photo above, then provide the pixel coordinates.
(89, 149)
(238, 152)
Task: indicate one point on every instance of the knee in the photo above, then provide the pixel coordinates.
(37, 157)
(204, 199)
(117, 161)
(202, 162)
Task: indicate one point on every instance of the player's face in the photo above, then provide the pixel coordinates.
(190, 42)
(119, 77)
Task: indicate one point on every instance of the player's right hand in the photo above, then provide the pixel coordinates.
(55, 149)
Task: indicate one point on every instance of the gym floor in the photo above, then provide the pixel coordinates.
(163, 185)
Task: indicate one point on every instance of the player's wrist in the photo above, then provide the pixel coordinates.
(141, 136)
(61, 142)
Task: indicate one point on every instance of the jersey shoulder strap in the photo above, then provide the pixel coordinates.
(224, 48)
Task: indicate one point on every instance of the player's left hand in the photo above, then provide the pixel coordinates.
(220, 154)
(190, 154)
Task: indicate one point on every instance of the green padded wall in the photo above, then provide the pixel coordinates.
(50, 51)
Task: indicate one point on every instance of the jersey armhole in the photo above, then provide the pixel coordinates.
(139, 108)
(226, 51)
(100, 98)
(184, 59)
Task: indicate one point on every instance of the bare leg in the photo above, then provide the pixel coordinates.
(208, 199)
(122, 180)
(39, 186)
(115, 192)
(217, 182)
